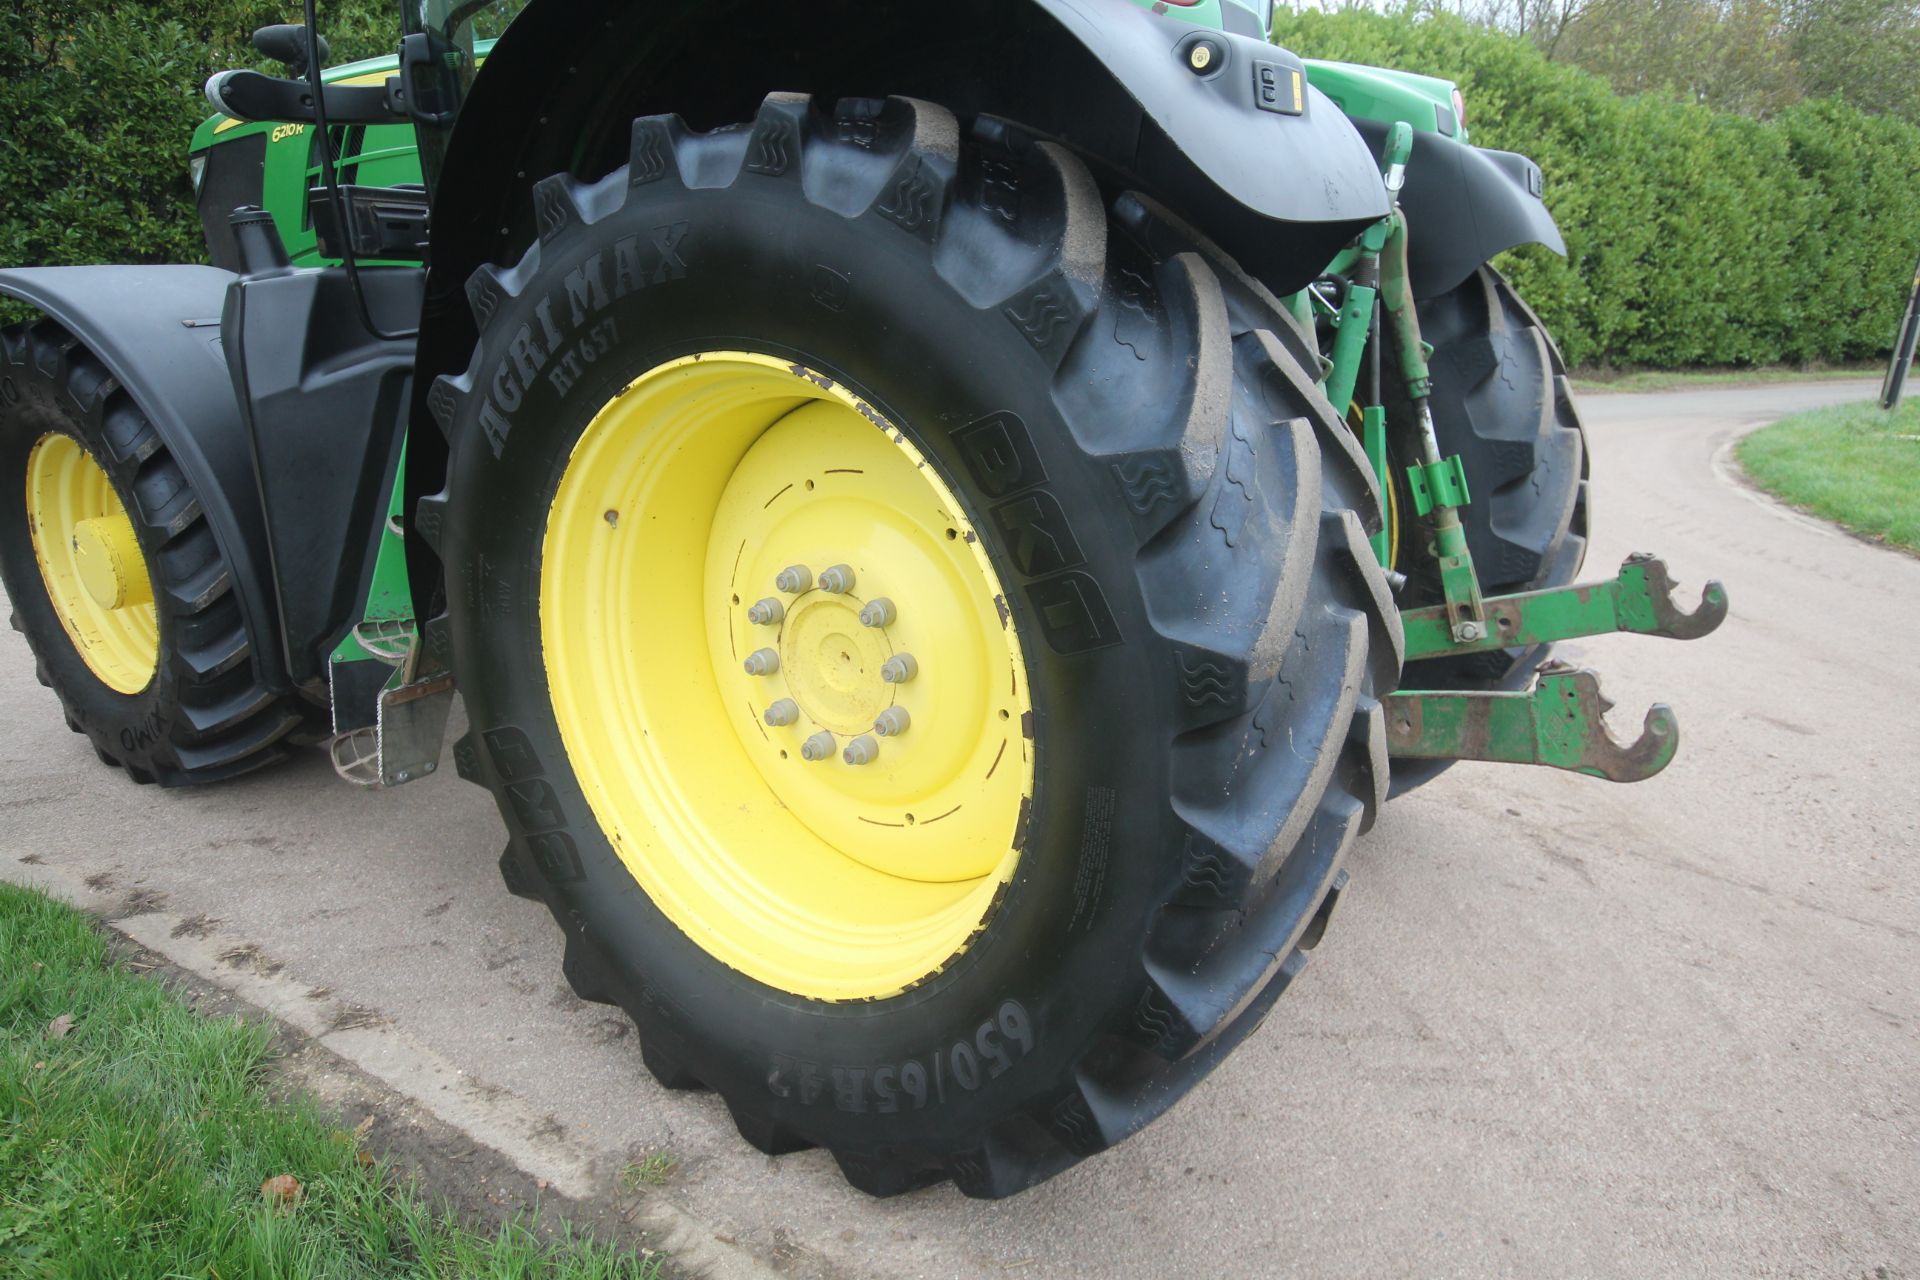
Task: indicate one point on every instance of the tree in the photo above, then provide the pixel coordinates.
(1733, 55)
(1865, 51)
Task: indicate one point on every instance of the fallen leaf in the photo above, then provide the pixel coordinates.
(281, 1192)
(58, 1028)
(366, 1161)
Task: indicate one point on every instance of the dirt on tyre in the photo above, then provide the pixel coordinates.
(117, 581)
(917, 621)
(1502, 402)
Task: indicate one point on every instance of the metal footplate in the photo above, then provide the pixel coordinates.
(408, 711)
(1640, 601)
(1559, 722)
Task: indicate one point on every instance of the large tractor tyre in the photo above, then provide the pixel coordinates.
(1501, 400)
(116, 578)
(836, 438)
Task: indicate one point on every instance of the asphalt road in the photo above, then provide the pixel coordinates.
(1559, 1027)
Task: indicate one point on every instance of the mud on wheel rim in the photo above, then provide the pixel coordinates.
(782, 665)
(95, 574)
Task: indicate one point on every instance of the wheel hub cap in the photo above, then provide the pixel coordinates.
(108, 560)
(832, 665)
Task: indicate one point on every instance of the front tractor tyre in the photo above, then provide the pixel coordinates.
(917, 622)
(117, 580)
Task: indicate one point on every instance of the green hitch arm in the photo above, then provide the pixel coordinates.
(1439, 484)
(1350, 340)
(1639, 601)
(1560, 723)
(1373, 441)
(1355, 322)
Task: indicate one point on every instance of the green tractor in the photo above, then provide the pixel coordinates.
(945, 534)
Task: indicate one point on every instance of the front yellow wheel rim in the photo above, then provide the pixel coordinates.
(826, 792)
(95, 574)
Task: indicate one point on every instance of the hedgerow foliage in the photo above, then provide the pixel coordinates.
(97, 102)
(1693, 236)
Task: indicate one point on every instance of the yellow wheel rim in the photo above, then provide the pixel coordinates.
(91, 563)
(684, 502)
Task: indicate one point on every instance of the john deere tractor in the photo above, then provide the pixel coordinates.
(945, 531)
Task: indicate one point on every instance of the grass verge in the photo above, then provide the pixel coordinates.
(1851, 464)
(137, 1138)
(1600, 382)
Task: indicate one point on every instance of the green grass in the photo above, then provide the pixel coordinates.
(136, 1144)
(1592, 381)
(1851, 464)
(653, 1170)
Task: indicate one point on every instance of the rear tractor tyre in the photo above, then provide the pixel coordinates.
(918, 626)
(1502, 401)
(116, 579)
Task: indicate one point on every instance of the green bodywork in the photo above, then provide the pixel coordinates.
(1558, 722)
(1205, 13)
(375, 156)
(387, 155)
(1375, 93)
(389, 606)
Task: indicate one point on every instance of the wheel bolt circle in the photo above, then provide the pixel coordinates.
(766, 613)
(838, 580)
(818, 747)
(862, 750)
(793, 579)
(762, 662)
(892, 722)
(899, 669)
(783, 713)
(878, 612)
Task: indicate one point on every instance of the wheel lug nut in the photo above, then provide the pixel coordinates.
(899, 669)
(892, 722)
(862, 750)
(818, 747)
(783, 713)
(766, 613)
(793, 579)
(762, 662)
(879, 612)
(838, 580)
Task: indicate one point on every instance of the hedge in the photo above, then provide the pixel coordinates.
(1695, 237)
(97, 103)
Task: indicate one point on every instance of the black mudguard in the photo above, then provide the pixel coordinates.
(1279, 192)
(157, 329)
(285, 413)
(1464, 205)
(1287, 168)
(327, 402)
(1113, 79)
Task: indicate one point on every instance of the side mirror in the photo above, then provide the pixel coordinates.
(286, 43)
